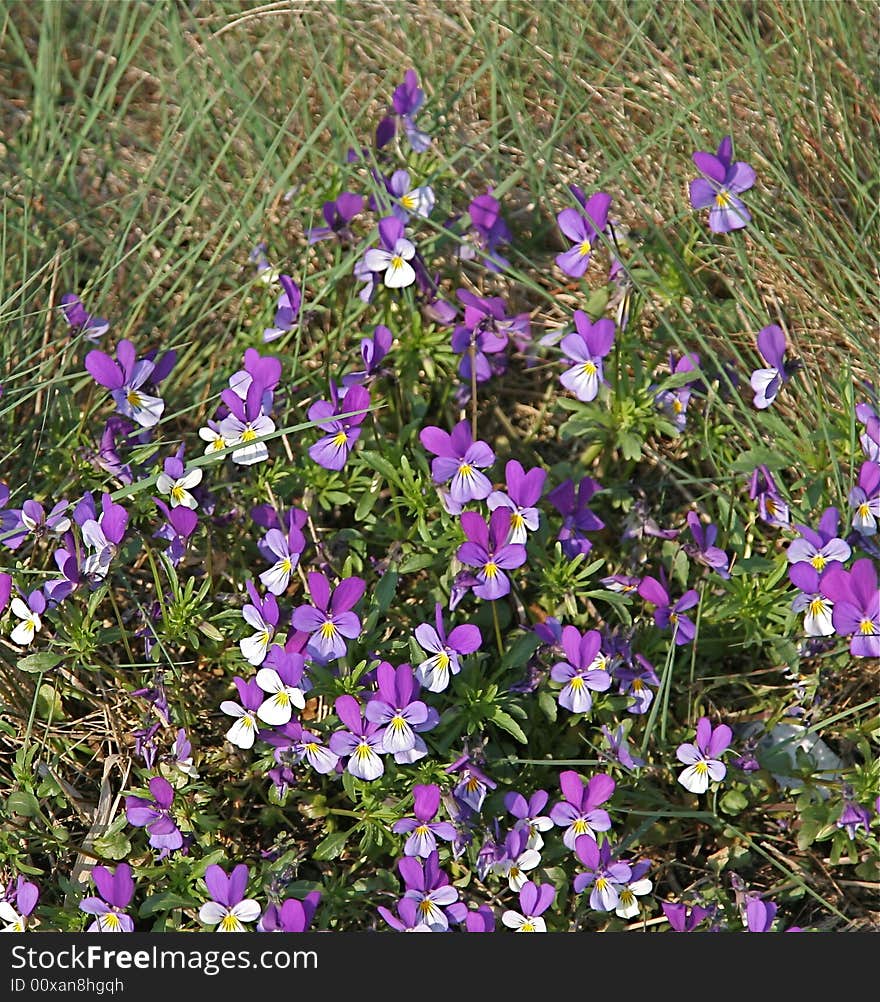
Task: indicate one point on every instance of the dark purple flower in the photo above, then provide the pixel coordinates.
(487, 550)
(80, 320)
(618, 746)
(703, 549)
(870, 437)
(459, 459)
(116, 890)
(666, 614)
(583, 672)
(606, 877)
(634, 677)
(579, 813)
(717, 190)
(423, 830)
(292, 915)
(759, 915)
(337, 215)
(771, 508)
(487, 329)
(480, 919)
(487, 231)
(24, 898)
(155, 815)
(31, 520)
(341, 417)
(373, 351)
(682, 918)
(576, 515)
(854, 816)
(406, 101)
(329, 620)
(289, 303)
(856, 605)
(583, 230)
(435, 673)
(674, 402)
(767, 382)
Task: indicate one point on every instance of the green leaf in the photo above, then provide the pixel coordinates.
(44, 661)
(548, 705)
(386, 589)
(116, 846)
(211, 632)
(759, 456)
(164, 902)
(331, 846)
(24, 804)
(507, 723)
(733, 802)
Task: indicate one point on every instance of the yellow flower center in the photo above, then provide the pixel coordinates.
(229, 923)
(286, 565)
(134, 398)
(816, 606)
(218, 444)
(770, 505)
(526, 927)
(426, 906)
(866, 628)
(408, 201)
(722, 199)
(312, 747)
(584, 248)
(517, 521)
(111, 921)
(701, 768)
(864, 510)
(421, 830)
(580, 826)
(248, 435)
(339, 439)
(818, 562)
(397, 723)
(328, 629)
(589, 369)
(396, 262)
(637, 685)
(178, 493)
(491, 570)
(443, 660)
(466, 470)
(677, 405)
(577, 683)
(363, 751)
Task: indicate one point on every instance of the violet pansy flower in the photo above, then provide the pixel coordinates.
(605, 876)
(124, 377)
(580, 812)
(156, 816)
(668, 613)
(280, 678)
(28, 614)
(821, 546)
(487, 231)
(459, 459)
(585, 669)
(423, 830)
(817, 607)
(406, 101)
(116, 890)
(534, 900)
(445, 650)
(329, 620)
(25, 900)
(243, 732)
(80, 320)
(337, 214)
(583, 230)
(362, 742)
(722, 181)
(391, 260)
(576, 515)
(429, 887)
(856, 605)
(523, 493)
(373, 351)
(772, 509)
(341, 418)
(864, 499)
(287, 312)
(701, 758)
(587, 347)
(229, 909)
(682, 918)
(703, 549)
(486, 549)
(262, 614)
(396, 708)
(768, 381)
(528, 815)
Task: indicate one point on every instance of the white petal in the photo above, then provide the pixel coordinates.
(691, 779)
(255, 648)
(20, 609)
(212, 912)
(242, 732)
(512, 919)
(276, 709)
(247, 910)
(164, 483)
(399, 277)
(192, 479)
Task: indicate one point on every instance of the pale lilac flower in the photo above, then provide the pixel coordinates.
(637, 886)
(583, 230)
(408, 200)
(487, 549)
(583, 672)
(590, 343)
(101, 534)
(606, 877)
(124, 377)
(517, 859)
(674, 402)
(771, 507)
(523, 493)
(286, 548)
(175, 481)
(618, 746)
(459, 459)
(666, 613)
(473, 783)
(262, 614)
(396, 708)
(287, 312)
(329, 620)
(487, 231)
(719, 187)
(406, 101)
(362, 742)
(156, 816)
(820, 546)
(703, 549)
(373, 351)
(429, 887)
(80, 320)
(817, 607)
(768, 381)
(25, 899)
(340, 418)
(528, 815)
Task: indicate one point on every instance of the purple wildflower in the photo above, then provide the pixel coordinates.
(31, 520)
(459, 459)
(124, 377)
(429, 887)
(701, 758)
(588, 346)
(856, 605)
(607, 878)
(80, 320)
(585, 669)
(637, 886)
(864, 499)
(329, 620)
(523, 493)
(362, 742)
(175, 481)
(292, 915)
(25, 899)
(488, 329)
(288, 307)
(102, 534)
(618, 746)
(229, 909)
(337, 215)
(373, 351)
(116, 890)
(180, 523)
(767, 382)
(281, 678)
(473, 782)
(771, 508)
(703, 549)
(423, 830)
(583, 230)
(488, 230)
(580, 813)
(406, 101)
(487, 549)
(243, 732)
(396, 707)
(435, 672)
(341, 418)
(674, 402)
(528, 815)
(576, 515)
(819, 547)
(480, 919)
(262, 614)
(284, 549)
(717, 190)
(759, 915)
(682, 918)
(155, 815)
(665, 614)
(634, 678)
(28, 613)
(853, 816)
(393, 257)
(534, 900)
